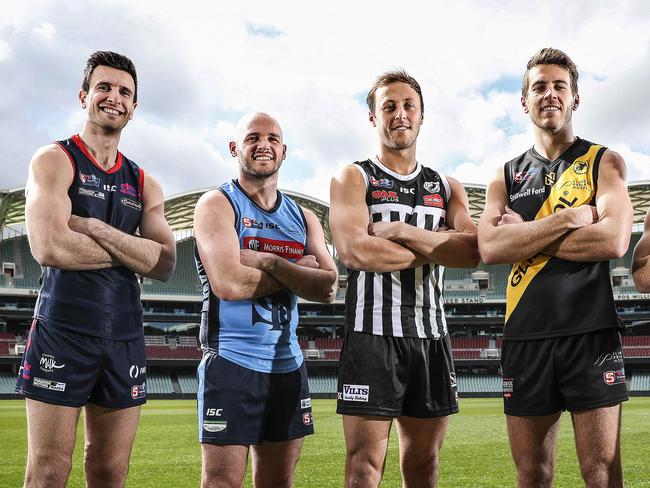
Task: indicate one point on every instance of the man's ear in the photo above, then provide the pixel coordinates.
(232, 145)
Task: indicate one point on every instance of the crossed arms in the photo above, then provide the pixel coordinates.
(236, 274)
(393, 246)
(582, 233)
(62, 240)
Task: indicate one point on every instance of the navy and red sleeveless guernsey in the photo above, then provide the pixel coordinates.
(102, 302)
(548, 296)
(405, 303)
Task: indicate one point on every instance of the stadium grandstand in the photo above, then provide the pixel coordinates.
(475, 304)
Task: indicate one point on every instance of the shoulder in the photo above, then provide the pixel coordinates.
(212, 198)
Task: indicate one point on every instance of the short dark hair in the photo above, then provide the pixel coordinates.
(549, 55)
(394, 76)
(112, 60)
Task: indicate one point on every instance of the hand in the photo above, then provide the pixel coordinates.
(308, 261)
(584, 215)
(447, 230)
(258, 260)
(510, 217)
(385, 230)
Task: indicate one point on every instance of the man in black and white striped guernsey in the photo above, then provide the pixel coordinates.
(396, 224)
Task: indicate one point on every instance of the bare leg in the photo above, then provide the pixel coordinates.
(366, 441)
(598, 443)
(51, 433)
(533, 442)
(274, 463)
(109, 437)
(223, 466)
(420, 441)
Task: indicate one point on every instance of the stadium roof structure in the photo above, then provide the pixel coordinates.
(179, 209)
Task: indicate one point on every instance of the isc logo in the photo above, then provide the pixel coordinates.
(213, 412)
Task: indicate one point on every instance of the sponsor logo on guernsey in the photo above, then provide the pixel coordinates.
(580, 167)
(305, 403)
(284, 249)
(48, 364)
(433, 201)
(432, 186)
(614, 377)
(307, 418)
(128, 189)
(580, 185)
(383, 183)
(127, 202)
(215, 425)
(139, 391)
(258, 224)
(356, 393)
(525, 175)
(527, 193)
(507, 386)
(549, 178)
(89, 180)
(135, 370)
(48, 385)
(614, 357)
(385, 196)
(91, 193)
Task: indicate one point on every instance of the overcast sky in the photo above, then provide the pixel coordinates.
(201, 66)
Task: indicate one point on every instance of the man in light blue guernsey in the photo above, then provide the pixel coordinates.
(256, 252)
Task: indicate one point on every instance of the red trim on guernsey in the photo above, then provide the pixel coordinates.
(74, 167)
(141, 183)
(118, 163)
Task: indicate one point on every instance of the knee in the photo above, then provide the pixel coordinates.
(421, 466)
(105, 472)
(220, 478)
(363, 470)
(534, 473)
(49, 470)
(602, 473)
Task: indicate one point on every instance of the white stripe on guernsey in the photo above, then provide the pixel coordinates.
(386, 208)
(398, 176)
(363, 173)
(419, 291)
(445, 184)
(442, 302)
(361, 290)
(378, 289)
(432, 283)
(396, 311)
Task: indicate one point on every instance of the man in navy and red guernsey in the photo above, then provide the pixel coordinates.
(257, 251)
(85, 203)
(558, 213)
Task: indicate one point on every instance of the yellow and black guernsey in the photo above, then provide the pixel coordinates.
(548, 296)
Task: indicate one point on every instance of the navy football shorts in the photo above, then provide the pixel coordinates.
(395, 376)
(65, 368)
(577, 372)
(237, 405)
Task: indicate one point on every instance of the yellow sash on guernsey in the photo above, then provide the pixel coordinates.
(574, 187)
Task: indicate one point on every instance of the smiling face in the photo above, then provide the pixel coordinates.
(550, 100)
(109, 101)
(259, 146)
(397, 115)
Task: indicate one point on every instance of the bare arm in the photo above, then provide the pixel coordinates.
(47, 213)
(609, 237)
(311, 283)
(349, 220)
(641, 259)
(152, 253)
(499, 243)
(218, 245)
(456, 248)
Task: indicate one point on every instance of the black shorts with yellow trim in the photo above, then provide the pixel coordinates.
(574, 373)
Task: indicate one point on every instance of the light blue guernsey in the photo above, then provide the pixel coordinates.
(258, 334)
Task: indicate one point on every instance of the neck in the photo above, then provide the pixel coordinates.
(552, 145)
(101, 145)
(401, 161)
(262, 191)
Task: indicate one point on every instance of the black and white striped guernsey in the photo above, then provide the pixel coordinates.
(406, 303)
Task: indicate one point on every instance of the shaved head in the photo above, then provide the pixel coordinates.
(247, 121)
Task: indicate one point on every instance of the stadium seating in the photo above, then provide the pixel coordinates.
(7, 383)
(159, 383)
(640, 381)
(479, 383)
(322, 384)
(188, 383)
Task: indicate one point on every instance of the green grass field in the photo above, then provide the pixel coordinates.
(475, 454)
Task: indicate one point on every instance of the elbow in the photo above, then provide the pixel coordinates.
(641, 282)
(352, 259)
(45, 255)
(489, 256)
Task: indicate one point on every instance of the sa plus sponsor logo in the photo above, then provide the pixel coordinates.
(139, 391)
(614, 377)
(48, 385)
(356, 393)
(433, 201)
(48, 364)
(385, 196)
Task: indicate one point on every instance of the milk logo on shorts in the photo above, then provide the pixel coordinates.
(48, 363)
(216, 425)
(355, 393)
(305, 403)
(432, 186)
(135, 371)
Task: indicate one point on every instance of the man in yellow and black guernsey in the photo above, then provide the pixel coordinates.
(558, 213)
